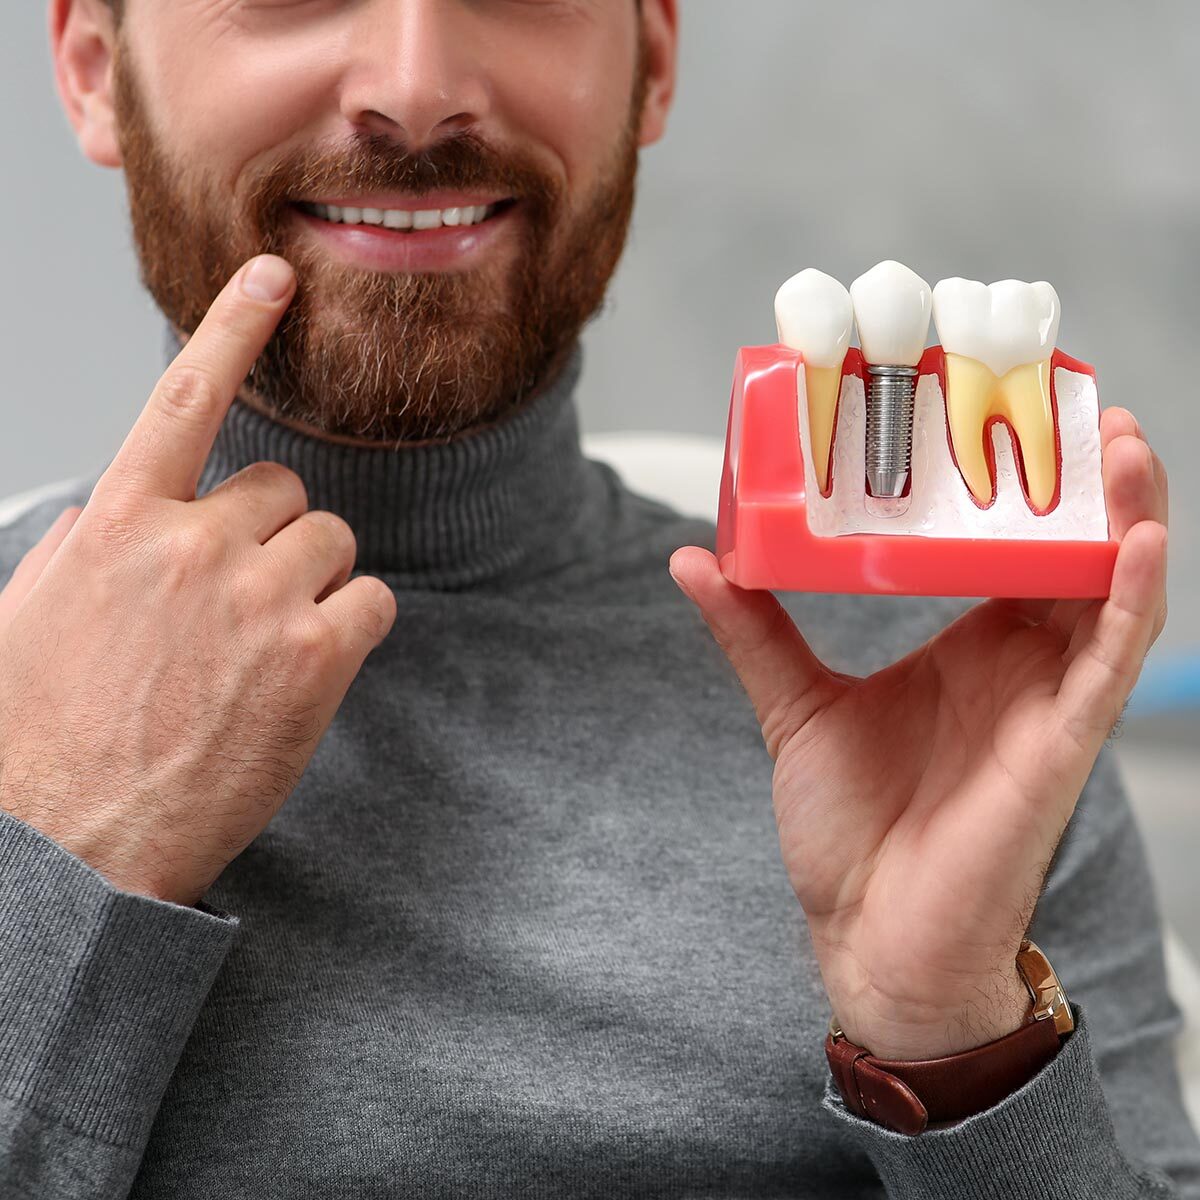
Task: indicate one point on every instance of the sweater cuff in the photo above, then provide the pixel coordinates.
(1052, 1136)
(99, 988)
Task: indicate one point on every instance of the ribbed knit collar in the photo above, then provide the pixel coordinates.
(446, 515)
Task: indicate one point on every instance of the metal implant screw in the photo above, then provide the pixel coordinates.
(890, 396)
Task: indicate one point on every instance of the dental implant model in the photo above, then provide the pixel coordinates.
(892, 307)
(971, 468)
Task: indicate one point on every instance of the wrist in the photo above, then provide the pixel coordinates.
(918, 1080)
(981, 1013)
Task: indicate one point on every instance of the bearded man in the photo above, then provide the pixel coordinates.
(378, 818)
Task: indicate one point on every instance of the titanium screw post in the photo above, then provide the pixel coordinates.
(889, 428)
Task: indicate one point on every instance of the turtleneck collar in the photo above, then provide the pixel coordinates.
(498, 501)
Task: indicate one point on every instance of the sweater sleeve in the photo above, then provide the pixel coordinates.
(1105, 1116)
(99, 990)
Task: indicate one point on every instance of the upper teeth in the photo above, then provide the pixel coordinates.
(400, 218)
(814, 315)
(998, 341)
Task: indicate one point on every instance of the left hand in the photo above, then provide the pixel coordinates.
(918, 808)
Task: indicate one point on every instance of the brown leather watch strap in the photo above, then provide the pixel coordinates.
(909, 1096)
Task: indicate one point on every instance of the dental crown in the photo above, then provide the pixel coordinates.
(1002, 325)
(814, 314)
(892, 307)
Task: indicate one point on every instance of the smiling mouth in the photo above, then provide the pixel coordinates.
(406, 220)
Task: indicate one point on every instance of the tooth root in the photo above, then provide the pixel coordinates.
(821, 385)
(969, 387)
(1022, 397)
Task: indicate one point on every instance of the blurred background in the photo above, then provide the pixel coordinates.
(1021, 140)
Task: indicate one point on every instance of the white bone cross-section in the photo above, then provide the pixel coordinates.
(939, 504)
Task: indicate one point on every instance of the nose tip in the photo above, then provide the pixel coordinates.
(414, 134)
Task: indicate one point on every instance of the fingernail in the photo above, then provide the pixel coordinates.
(267, 278)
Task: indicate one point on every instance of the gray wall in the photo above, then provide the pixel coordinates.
(1019, 139)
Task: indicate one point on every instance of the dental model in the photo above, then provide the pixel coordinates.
(892, 306)
(971, 468)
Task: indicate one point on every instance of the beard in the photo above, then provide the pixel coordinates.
(383, 356)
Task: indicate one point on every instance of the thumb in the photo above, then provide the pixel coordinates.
(34, 562)
(786, 682)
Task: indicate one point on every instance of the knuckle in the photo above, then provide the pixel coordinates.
(313, 643)
(329, 532)
(378, 608)
(187, 389)
(113, 521)
(251, 592)
(195, 545)
(274, 476)
(114, 525)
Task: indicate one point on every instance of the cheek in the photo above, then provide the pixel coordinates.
(222, 99)
(572, 101)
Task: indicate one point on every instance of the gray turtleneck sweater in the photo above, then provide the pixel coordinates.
(523, 928)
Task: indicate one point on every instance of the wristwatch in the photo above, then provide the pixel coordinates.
(934, 1092)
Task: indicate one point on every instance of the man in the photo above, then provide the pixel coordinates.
(376, 816)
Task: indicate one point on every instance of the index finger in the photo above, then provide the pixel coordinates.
(166, 449)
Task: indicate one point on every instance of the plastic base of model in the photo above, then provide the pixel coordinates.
(764, 539)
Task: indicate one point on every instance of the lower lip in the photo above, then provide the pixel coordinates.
(450, 248)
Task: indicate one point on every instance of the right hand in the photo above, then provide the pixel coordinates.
(168, 664)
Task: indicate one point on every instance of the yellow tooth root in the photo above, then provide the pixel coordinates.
(822, 385)
(1022, 397)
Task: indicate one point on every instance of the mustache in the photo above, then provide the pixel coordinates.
(376, 162)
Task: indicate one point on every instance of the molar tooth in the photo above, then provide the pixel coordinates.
(814, 315)
(352, 216)
(333, 213)
(998, 341)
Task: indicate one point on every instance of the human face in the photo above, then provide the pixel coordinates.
(233, 116)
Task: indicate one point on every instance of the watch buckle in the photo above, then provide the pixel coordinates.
(1049, 999)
